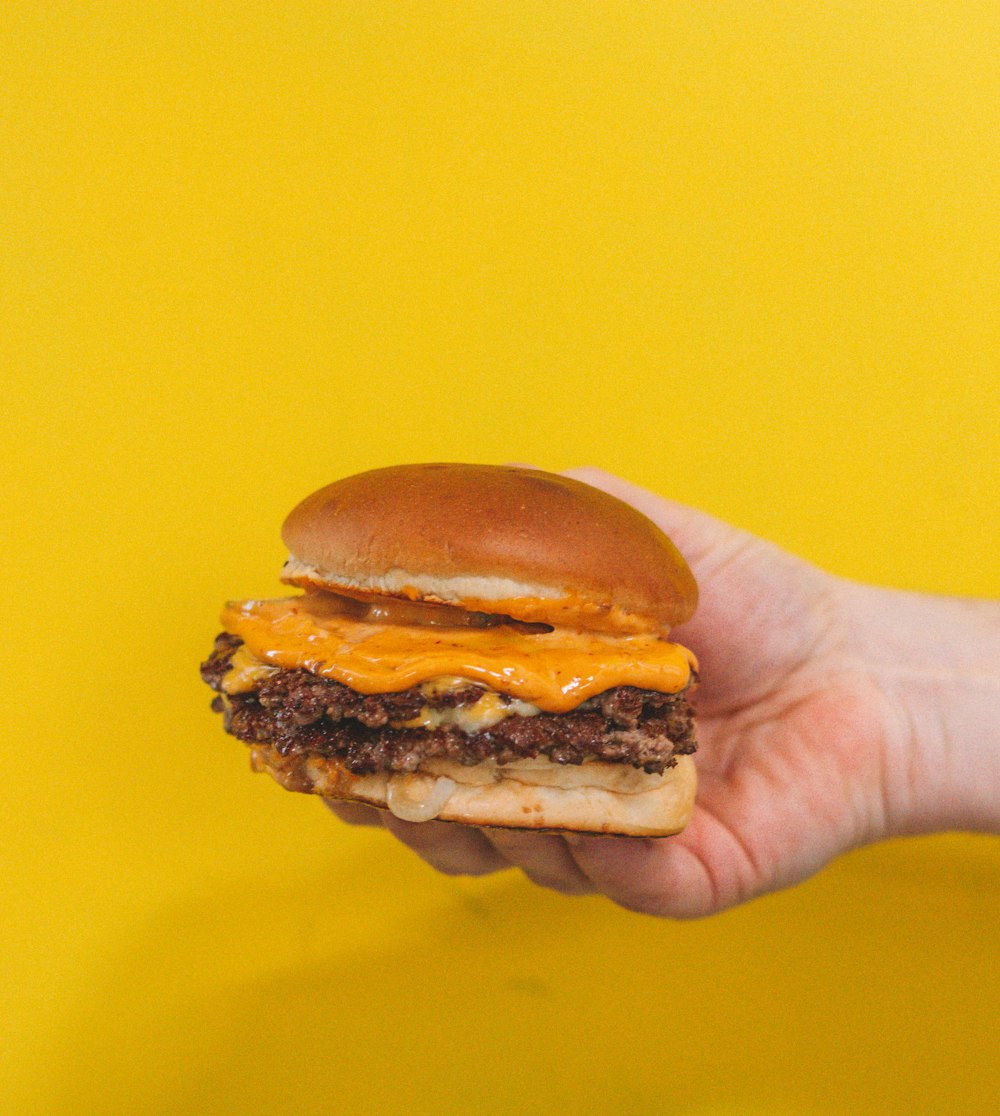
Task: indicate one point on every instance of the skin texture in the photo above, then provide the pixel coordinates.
(830, 715)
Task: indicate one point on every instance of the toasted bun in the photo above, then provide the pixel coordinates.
(598, 798)
(532, 545)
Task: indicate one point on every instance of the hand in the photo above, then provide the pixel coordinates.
(805, 748)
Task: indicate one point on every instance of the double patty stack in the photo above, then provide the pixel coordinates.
(474, 643)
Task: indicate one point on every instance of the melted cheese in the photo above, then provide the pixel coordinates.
(417, 798)
(246, 672)
(554, 670)
(490, 710)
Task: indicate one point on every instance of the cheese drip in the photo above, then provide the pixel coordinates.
(555, 671)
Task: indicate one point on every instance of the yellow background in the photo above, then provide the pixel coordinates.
(743, 253)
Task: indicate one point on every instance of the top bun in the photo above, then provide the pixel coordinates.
(532, 545)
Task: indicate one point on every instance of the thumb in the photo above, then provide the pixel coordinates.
(760, 609)
(706, 542)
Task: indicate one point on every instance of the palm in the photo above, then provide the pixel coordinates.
(773, 787)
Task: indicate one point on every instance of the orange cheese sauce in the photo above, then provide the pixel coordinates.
(554, 670)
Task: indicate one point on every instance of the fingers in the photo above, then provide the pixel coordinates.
(455, 850)
(354, 813)
(673, 877)
(542, 857)
(650, 876)
(703, 870)
(461, 850)
(699, 536)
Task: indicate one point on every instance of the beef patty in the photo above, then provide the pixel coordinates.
(298, 712)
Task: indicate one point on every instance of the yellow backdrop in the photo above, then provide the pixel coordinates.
(743, 253)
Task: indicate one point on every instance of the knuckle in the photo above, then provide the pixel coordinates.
(563, 884)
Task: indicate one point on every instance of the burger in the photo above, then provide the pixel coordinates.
(471, 643)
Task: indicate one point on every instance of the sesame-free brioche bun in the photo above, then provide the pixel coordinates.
(536, 546)
(535, 794)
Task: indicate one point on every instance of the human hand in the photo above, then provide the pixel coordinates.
(805, 748)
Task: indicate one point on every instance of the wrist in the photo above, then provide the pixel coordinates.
(935, 661)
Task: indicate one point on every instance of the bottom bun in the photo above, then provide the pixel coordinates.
(603, 798)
